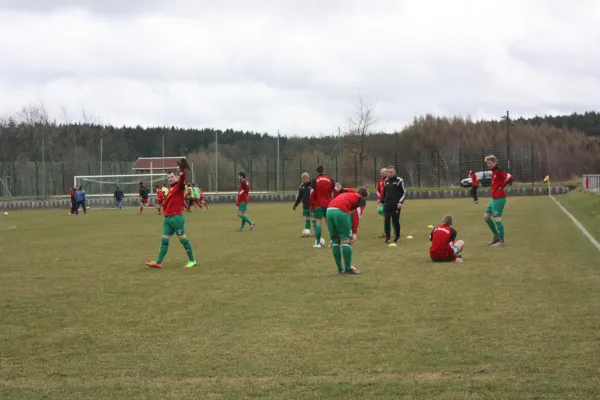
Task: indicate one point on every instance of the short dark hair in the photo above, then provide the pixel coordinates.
(171, 172)
(242, 174)
(362, 191)
(320, 169)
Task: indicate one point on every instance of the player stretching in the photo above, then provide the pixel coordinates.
(443, 246)
(242, 201)
(160, 198)
(174, 222)
(304, 197)
(343, 216)
(496, 206)
(143, 198)
(380, 187)
(322, 188)
(339, 189)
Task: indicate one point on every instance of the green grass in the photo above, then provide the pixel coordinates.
(585, 206)
(267, 317)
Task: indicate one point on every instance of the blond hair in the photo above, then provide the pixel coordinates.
(491, 158)
(447, 219)
(305, 175)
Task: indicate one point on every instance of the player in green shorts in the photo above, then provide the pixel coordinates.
(495, 208)
(304, 198)
(242, 201)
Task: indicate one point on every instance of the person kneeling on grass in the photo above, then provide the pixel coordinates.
(443, 246)
(343, 215)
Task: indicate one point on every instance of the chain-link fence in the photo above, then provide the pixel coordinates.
(435, 168)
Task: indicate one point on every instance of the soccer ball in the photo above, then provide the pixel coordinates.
(380, 210)
(6, 214)
(306, 232)
(322, 242)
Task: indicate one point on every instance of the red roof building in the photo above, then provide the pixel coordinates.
(155, 164)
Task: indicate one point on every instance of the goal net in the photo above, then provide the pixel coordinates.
(99, 185)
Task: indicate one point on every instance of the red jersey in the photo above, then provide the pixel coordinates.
(441, 243)
(322, 188)
(342, 190)
(243, 192)
(201, 194)
(160, 195)
(73, 194)
(380, 186)
(174, 202)
(499, 181)
(474, 181)
(351, 203)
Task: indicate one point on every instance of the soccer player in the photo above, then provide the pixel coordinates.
(118, 198)
(188, 196)
(393, 198)
(343, 217)
(496, 206)
(143, 198)
(339, 189)
(380, 186)
(242, 201)
(80, 200)
(203, 203)
(321, 193)
(165, 189)
(174, 222)
(73, 191)
(444, 247)
(474, 186)
(196, 196)
(304, 197)
(160, 198)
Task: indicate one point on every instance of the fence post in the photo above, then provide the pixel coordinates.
(459, 163)
(483, 158)
(337, 171)
(89, 169)
(396, 161)
(283, 175)
(375, 170)
(532, 166)
(418, 169)
(250, 165)
(267, 174)
(62, 167)
(355, 172)
(438, 174)
(36, 179)
(234, 169)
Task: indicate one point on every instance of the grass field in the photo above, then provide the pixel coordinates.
(265, 316)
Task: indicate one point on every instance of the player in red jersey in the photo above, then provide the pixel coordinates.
(380, 187)
(496, 206)
(174, 221)
(443, 246)
(202, 201)
(343, 217)
(242, 201)
(321, 193)
(339, 189)
(143, 197)
(160, 198)
(474, 186)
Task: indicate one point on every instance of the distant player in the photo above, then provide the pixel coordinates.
(496, 206)
(444, 247)
(174, 222)
(143, 198)
(188, 196)
(160, 198)
(80, 200)
(474, 186)
(72, 192)
(242, 201)
(165, 189)
(343, 217)
(118, 195)
(196, 196)
(380, 187)
(321, 194)
(304, 197)
(394, 195)
(202, 201)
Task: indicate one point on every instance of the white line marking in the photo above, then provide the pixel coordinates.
(581, 228)
(6, 228)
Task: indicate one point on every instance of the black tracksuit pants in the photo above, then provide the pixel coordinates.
(392, 216)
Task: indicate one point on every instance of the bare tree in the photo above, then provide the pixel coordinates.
(359, 127)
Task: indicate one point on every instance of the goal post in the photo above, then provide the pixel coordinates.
(107, 184)
(591, 183)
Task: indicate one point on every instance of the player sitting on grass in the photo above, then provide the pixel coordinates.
(174, 222)
(496, 206)
(443, 246)
(304, 197)
(321, 194)
(343, 217)
(242, 201)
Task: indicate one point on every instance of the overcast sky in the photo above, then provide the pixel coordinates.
(297, 66)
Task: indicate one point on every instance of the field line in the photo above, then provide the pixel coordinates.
(581, 227)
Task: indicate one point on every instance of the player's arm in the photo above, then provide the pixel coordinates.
(431, 235)
(183, 167)
(507, 178)
(298, 198)
(360, 206)
(244, 188)
(313, 191)
(402, 191)
(384, 194)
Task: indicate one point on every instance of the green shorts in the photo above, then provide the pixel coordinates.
(320, 212)
(242, 207)
(339, 224)
(496, 207)
(306, 212)
(174, 224)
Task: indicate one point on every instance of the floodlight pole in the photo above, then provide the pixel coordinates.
(216, 161)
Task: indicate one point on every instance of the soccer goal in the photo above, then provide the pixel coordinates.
(98, 185)
(591, 183)
(4, 191)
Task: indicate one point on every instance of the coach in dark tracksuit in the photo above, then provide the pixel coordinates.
(304, 197)
(393, 197)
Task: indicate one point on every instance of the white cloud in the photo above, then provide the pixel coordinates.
(298, 66)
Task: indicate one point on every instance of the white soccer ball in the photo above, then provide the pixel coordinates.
(5, 214)
(306, 232)
(322, 242)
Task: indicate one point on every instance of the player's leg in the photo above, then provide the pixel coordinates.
(168, 231)
(458, 246)
(487, 217)
(387, 222)
(306, 216)
(497, 211)
(83, 205)
(396, 221)
(344, 226)
(245, 220)
(141, 206)
(178, 222)
(336, 244)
